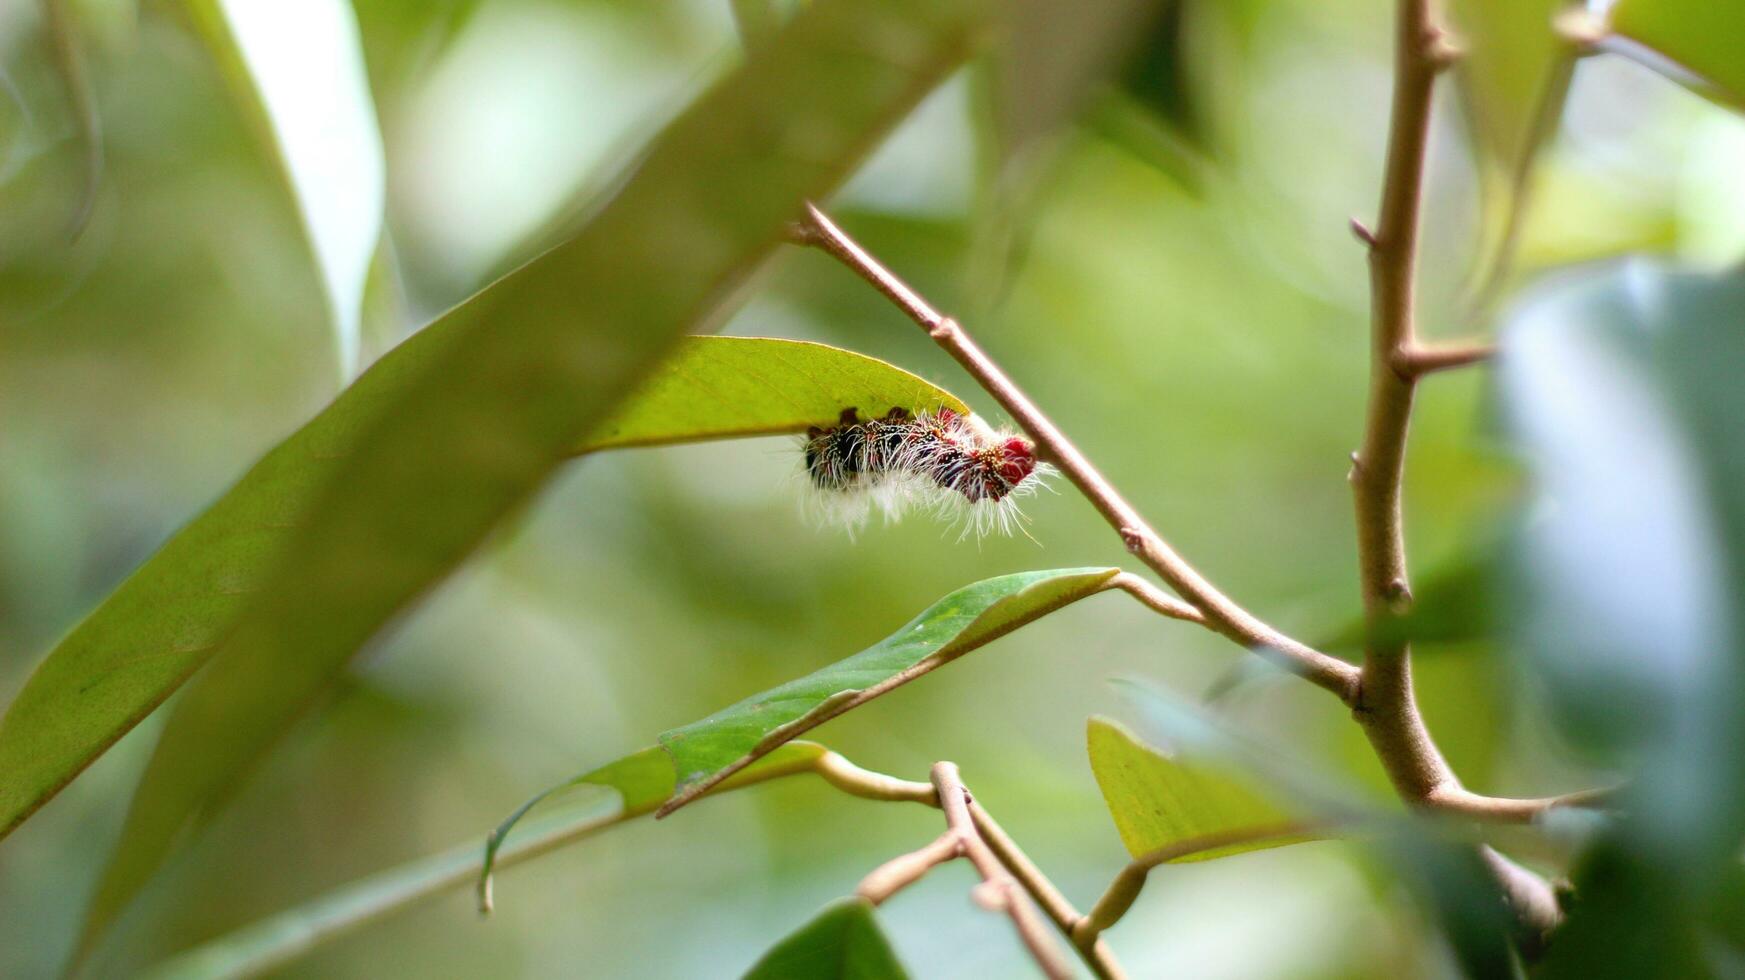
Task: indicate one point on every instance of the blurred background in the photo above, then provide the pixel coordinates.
(1171, 278)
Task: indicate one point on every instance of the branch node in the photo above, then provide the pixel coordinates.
(944, 330)
(1134, 539)
(1399, 595)
(1364, 234)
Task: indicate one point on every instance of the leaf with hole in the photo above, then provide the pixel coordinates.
(708, 751)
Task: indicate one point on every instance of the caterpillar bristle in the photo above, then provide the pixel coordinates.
(953, 465)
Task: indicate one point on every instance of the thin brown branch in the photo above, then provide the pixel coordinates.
(905, 869)
(999, 891)
(1386, 707)
(1156, 599)
(1096, 955)
(1219, 612)
(1124, 890)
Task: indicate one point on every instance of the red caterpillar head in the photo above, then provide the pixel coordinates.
(1019, 460)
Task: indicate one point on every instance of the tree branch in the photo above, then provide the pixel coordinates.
(1386, 706)
(1096, 955)
(1218, 611)
(999, 891)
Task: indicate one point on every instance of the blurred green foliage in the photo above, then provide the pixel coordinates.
(1187, 305)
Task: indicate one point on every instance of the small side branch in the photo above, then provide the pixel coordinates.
(1156, 599)
(1218, 612)
(1096, 955)
(1124, 890)
(905, 869)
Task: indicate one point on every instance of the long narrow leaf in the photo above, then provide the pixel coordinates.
(633, 786)
(523, 372)
(708, 751)
(298, 69)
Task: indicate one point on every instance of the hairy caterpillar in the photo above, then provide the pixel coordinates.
(954, 465)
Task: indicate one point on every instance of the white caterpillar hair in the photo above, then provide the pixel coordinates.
(952, 465)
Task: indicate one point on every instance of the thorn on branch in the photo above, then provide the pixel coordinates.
(1363, 233)
(1441, 50)
(945, 329)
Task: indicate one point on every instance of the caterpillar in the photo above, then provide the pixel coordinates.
(951, 463)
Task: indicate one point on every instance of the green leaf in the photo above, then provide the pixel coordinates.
(708, 751)
(1701, 36)
(844, 942)
(520, 374)
(1158, 801)
(159, 626)
(1513, 74)
(634, 785)
(642, 781)
(298, 69)
(1621, 387)
(1053, 55)
(719, 387)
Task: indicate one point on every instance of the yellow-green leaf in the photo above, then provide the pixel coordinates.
(1703, 36)
(719, 387)
(1158, 801)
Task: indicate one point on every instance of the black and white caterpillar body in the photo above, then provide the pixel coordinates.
(952, 464)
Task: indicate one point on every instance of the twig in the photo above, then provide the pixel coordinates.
(1218, 611)
(1097, 955)
(905, 869)
(1155, 598)
(999, 891)
(1125, 888)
